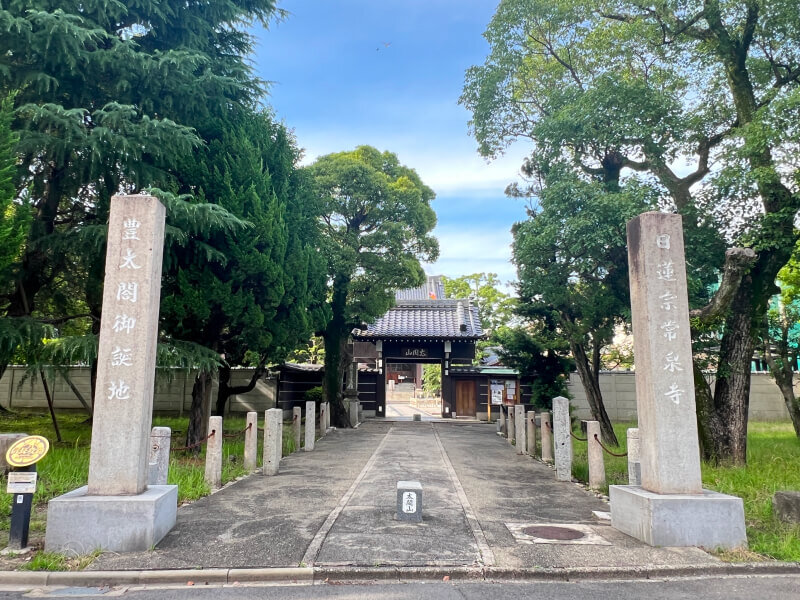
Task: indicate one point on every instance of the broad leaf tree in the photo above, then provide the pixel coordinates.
(376, 223)
(697, 97)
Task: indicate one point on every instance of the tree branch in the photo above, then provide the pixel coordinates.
(738, 262)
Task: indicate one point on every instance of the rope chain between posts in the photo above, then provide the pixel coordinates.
(597, 439)
(195, 445)
(580, 439)
(238, 433)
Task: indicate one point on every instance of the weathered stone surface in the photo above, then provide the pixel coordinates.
(297, 427)
(501, 422)
(563, 440)
(597, 465)
(710, 520)
(78, 523)
(353, 407)
(273, 440)
(118, 463)
(520, 426)
(409, 501)
(6, 439)
(547, 437)
(213, 474)
(251, 442)
(311, 417)
(323, 419)
(530, 436)
(670, 452)
(512, 427)
(786, 506)
(634, 465)
(160, 440)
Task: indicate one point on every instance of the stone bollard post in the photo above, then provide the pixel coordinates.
(634, 466)
(311, 417)
(501, 422)
(273, 441)
(160, 440)
(323, 415)
(530, 437)
(213, 474)
(547, 437)
(511, 426)
(597, 465)
(519, 428)
(353, 407)
(297, 427)
(563, 440)
(251, 442)
(328, 416)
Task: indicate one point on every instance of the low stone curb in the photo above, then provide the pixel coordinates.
(341, 574)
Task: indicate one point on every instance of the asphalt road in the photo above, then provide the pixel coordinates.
(776, 587)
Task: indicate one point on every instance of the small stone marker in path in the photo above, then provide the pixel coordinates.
(409, 501)
(670, 508)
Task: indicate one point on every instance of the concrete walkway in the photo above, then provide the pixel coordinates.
(335, 506)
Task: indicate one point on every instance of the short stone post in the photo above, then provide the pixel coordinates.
(273, 440)
(353, 407)
(160, 440)
(323, 415)
(563, 439)
(519, 426)
(512, 428)
(297, 427)
(311, 416)
(547, 437)
(597, 465)
(213, 475)
(251, 442)
(634, 466)
(530, 436)
(409, 501)
(501, 422)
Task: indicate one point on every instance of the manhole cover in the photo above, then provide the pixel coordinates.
(548, 532)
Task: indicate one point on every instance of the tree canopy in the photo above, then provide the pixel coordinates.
(619, 90)
(375, 229)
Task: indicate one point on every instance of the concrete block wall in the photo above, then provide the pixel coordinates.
(619, 396)
(172, 394)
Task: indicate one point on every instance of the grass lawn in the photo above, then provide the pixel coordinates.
(66, 465)
(773, 464)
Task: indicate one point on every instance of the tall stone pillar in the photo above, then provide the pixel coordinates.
(563, 439)
(117, 511)
(670, 508)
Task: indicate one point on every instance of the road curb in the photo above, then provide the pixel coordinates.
(344, 574)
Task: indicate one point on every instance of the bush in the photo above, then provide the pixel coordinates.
(315, 394)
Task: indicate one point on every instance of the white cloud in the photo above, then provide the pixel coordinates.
(471, 249)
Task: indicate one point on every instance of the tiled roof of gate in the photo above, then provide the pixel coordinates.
(454, 319)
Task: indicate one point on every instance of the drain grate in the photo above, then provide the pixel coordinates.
(549, 532)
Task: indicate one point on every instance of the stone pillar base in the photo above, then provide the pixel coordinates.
(353, 406)
(710, 520)
(78, 523)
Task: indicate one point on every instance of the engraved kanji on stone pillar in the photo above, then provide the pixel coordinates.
(670, 453)
(126, 360)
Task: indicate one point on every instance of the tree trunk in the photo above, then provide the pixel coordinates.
(732, 391)
(591, 386)
(784, 377)
(198, 414)
(226, 390)
(336, 334)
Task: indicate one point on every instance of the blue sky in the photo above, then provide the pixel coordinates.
(388, 73)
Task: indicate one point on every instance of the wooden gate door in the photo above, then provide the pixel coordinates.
(465, 398)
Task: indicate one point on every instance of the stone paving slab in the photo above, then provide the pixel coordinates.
(277, 521)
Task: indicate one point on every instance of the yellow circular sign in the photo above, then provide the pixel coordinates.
(27, 451)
